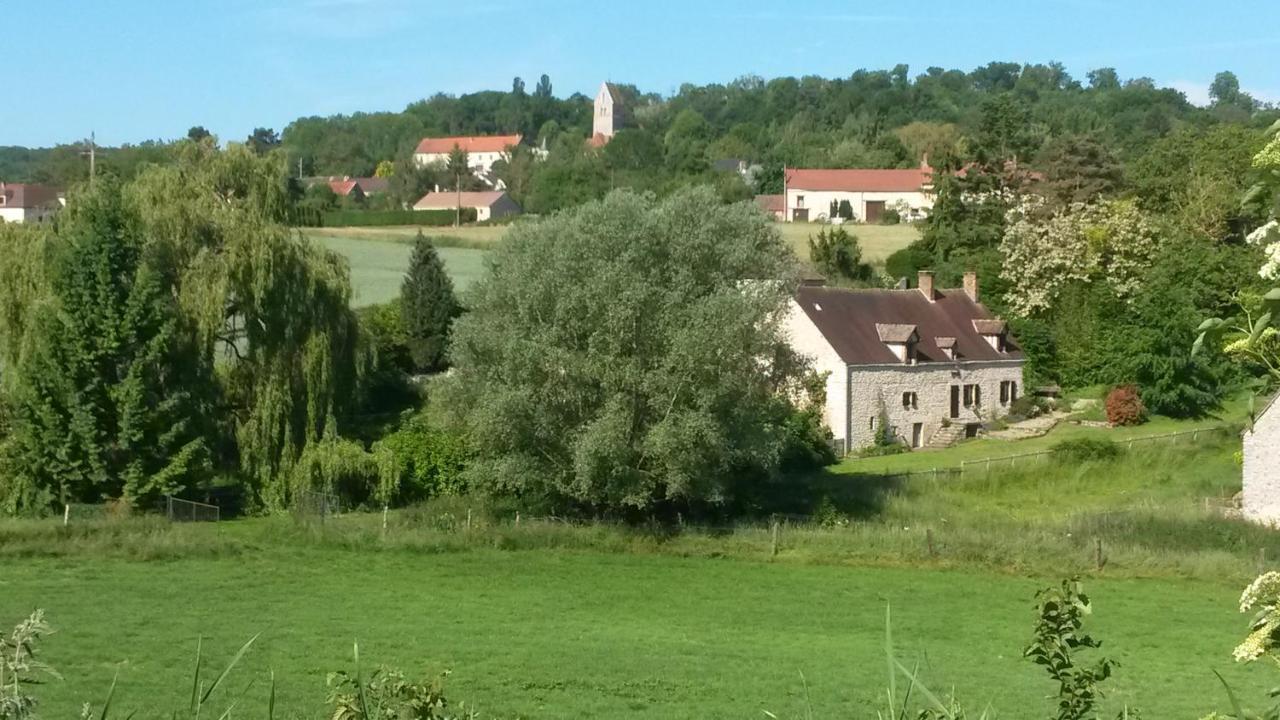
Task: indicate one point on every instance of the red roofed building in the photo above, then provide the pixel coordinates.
(24, 203)
(862, 194)
(346, 188)
(482, 150)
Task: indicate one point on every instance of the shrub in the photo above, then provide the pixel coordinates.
(372, 218)
(1124, 406)
(836, 252)
(908, 261)
(890, 217)
(429, 460)
(1087, 449)
(1025, 407)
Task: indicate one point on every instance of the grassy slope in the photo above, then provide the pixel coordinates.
(566, 634)
(1233, 412)
(378, 266)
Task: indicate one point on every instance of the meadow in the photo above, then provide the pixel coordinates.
(562, 633)
(379, 256)
(540, 618)
(378, 265)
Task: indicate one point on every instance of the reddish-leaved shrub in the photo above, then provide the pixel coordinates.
(1124, 406)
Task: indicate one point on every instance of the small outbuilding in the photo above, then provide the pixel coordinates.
(1261, 502)
(489, 205)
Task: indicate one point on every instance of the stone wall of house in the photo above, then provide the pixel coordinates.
(873, 388)
(805, 338)
(1262, 468)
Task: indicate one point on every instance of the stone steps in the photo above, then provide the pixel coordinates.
(946, 437)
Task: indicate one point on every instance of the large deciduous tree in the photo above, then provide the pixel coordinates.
(627, 355)
(108, 395)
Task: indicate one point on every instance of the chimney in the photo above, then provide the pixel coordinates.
(971, 285)
(926, 284)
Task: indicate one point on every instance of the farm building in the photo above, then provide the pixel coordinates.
(482, 150)
(489, 205)
(346, 188)
(1262, 467)
(934, 364)
(23, 203)
(864, 195)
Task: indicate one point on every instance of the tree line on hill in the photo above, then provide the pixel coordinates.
(872, 118)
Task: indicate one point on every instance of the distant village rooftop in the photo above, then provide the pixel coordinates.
(468, 143)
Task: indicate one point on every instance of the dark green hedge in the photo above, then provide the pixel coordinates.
(367, 218)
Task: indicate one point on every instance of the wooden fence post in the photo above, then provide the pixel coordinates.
(517, 518)
(928, 539)
(66, 515)
(1262, 560)
(384, 518)
(1099, 559)
(774, 543)
(468, 519)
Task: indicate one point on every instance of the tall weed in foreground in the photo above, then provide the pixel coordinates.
(20, 668)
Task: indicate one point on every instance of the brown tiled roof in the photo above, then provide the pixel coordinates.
(771, 203)
(989, 327)
(895, 332)
(848, 319)
(23, 195)
(372, 185)
(449, 199)
(912, 180)
(471, 143)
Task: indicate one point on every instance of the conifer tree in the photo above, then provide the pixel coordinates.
(428, 306)
(103, 394)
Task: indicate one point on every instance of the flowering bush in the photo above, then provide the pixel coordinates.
(1110, 241)
(1264, 594)
(1124, 406)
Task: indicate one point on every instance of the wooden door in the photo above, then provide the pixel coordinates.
(955, 401)
(800, 214)
(875, 208)
(917, 434)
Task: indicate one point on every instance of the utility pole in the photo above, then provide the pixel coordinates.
(92, 152)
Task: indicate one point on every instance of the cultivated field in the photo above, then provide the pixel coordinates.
(378, 265)
(561, 633)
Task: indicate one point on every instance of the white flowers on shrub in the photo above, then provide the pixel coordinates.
(1110, 241)
(1263, 593)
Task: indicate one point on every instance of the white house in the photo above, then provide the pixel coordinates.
(1262, 467)
(935, 363)
(810, 193)
(609, 114)
(489, 205)
(482, 150)
(25, 203)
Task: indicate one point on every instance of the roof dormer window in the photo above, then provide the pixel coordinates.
(947, 345)
(993, 331)
(901, 339)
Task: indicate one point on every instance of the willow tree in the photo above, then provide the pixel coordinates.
(623, 356)
(105, 400)
(269, 311)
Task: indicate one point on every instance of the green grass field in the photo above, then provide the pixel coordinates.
(877, 241)
(554, 634)
(378, 266)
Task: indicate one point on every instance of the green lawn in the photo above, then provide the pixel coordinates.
(1232, 413)
(378, 266)
(877, 241)
(556, 634)
(477, 236)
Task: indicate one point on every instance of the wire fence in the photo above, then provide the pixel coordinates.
(179, 510)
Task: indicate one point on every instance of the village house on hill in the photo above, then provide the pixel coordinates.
(482, 151)
(811, 194)
(1261, 495)
(935, 364)
(489, 205)
(27, 203)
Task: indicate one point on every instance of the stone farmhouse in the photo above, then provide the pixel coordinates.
(25, 203)
(489, 205)
(1261, 501)
(935, 364)
(810, 193)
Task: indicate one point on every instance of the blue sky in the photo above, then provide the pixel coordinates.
(136, 69)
